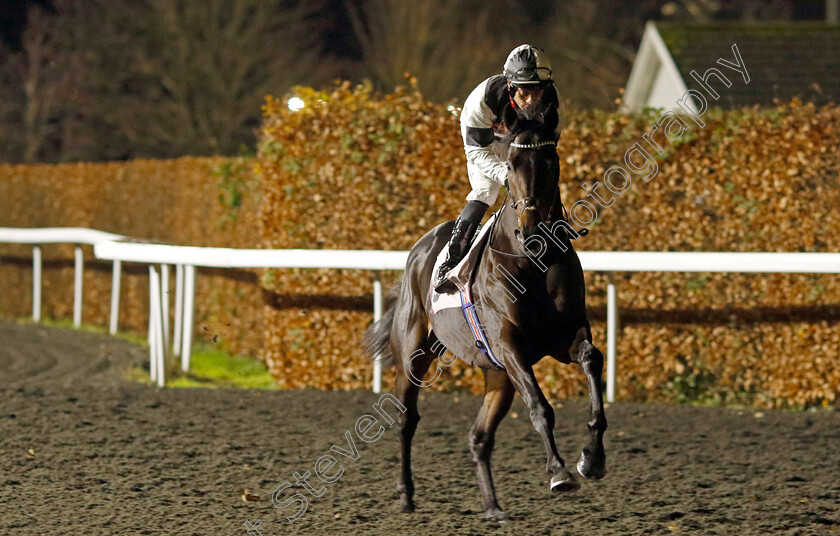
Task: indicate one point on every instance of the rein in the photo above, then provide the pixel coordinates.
(493, 230)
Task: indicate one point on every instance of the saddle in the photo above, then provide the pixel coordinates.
(461, 275)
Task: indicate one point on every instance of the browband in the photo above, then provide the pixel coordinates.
(532, 145)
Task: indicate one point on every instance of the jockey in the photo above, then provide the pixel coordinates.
(526, 85)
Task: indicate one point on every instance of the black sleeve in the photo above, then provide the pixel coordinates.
(479, 137)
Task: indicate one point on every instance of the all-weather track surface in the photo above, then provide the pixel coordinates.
(83, 452)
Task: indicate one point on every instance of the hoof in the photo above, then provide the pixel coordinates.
(405, 498)
(592, 466)
(407, 508)
(495, 515)
(563, 482)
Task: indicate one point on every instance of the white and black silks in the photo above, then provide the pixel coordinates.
(482, 128)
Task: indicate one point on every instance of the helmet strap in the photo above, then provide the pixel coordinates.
(510, 95)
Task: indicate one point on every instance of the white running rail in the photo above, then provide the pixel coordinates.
(64, 235)
(187, 258)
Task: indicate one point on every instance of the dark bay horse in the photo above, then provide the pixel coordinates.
(537, 302)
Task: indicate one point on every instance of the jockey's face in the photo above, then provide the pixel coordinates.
(527, 99)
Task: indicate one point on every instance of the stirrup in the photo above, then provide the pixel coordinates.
(447, 287)
(444, 285)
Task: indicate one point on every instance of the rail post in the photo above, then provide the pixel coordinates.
(156, 349)
(164, 298)
(115, 297)
(37, 284)
(612, 333)
(179, 309)
(377, 314)
(151, 337)
(77, 288)
(189, 306)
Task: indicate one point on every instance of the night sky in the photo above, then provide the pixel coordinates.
(339, 36)
(13, 15)
(340, 39)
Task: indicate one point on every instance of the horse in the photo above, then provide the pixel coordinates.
(546, 318)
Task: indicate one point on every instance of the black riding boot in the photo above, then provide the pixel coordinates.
(459, 242)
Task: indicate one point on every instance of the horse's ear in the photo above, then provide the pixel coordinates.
(509, 117)
(550, 122)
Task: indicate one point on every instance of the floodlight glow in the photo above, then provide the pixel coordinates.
(296, 103)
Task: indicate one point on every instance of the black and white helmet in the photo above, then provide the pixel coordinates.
(527, 67)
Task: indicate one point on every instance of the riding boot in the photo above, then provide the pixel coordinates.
(459, 243)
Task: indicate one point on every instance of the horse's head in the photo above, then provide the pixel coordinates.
(536, 169)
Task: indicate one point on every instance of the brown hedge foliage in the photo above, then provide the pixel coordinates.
(187, 201)
(354, 170)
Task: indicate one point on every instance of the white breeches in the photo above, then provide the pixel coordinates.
(484, 189)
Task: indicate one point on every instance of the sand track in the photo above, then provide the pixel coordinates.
(116, 458)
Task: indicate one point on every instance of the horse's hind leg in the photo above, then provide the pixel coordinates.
(498, 395)
(592, 463)
(410, 371)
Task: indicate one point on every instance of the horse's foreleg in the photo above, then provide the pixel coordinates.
(408, 381)
(498, 395)
(592, 463)
(542, 417)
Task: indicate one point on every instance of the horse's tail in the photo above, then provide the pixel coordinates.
(377, 341)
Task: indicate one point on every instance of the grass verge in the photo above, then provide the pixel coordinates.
(210, 367)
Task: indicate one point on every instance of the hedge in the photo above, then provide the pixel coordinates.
(357, 170)
(186, 201)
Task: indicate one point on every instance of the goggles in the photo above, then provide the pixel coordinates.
(530, 75)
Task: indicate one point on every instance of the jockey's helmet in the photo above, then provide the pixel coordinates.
(527, 67)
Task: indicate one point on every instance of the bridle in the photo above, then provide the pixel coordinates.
(529, 201)
(533, 145)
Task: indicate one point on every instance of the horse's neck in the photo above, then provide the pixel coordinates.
(507, 242)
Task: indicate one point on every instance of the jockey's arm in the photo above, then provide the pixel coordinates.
(477, 132)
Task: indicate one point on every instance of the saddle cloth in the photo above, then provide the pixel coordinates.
(462, 297)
